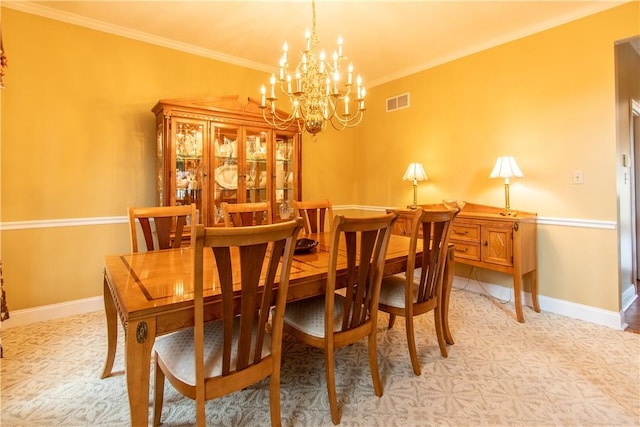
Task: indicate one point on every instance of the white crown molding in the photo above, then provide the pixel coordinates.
(590, 9)
(82, 21)
(47, 12)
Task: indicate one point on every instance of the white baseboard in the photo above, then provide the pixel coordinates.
(53, 311)
(587, 313)
(576, 311)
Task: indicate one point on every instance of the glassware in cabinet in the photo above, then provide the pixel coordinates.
(189, 165)
(226, 175)
(286, 173)
(255, 166)
(215, 149)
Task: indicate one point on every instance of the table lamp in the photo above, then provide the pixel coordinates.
(506, 167)
(415, 172)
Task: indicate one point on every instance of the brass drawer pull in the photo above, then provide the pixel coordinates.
(462, 250)
(461, 233)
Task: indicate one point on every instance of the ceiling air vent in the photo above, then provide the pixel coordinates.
(398, 102)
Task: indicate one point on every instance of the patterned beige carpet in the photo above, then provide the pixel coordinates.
(550, 371)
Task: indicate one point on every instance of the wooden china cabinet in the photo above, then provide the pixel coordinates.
(213, 150)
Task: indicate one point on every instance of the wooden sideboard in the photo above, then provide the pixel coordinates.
(483, 237)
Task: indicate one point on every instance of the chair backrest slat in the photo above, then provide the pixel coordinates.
(365, 242)
(436, 228)
(315, 214)
(164, 225)
(246, 214)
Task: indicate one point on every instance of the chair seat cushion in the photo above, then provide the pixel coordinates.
(176, 350)
(392, 291)
(307, 315)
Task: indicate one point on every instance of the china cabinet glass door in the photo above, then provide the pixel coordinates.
(226, 184)
(285, 174)
(216, 149)
(190, 164)
(256, 169)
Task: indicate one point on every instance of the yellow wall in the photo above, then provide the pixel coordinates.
(547, 99)
(77, 142)
(78, 129)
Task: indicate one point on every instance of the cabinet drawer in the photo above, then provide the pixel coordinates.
(467, 250)
(467, 232)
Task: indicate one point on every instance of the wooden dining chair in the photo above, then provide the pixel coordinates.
(316, 214)
(331, 321)
(163, 227)
(402, 295)
(213, 359)
(244, 214)
(167, 230)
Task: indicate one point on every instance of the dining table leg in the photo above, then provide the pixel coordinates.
(138, 345)
(112, 329)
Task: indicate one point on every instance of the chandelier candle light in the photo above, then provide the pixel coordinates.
(319, 89)
(506, 167)
(415, 172)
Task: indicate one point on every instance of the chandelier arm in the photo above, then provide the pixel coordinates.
(277, 121)
(343, 124)
(275, 118)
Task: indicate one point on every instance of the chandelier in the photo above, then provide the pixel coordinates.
(319, 90)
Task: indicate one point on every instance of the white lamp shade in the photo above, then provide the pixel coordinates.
(415, 171)
(506, 167)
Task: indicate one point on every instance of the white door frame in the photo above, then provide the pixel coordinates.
(634, 139)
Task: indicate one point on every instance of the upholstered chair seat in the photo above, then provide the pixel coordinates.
(308, 315)
(393, 292)
(176, 350)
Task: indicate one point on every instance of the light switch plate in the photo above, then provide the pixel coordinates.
(578, 177)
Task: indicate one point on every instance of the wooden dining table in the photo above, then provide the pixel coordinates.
(152, 294)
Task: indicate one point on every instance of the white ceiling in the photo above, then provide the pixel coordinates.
(385, 40)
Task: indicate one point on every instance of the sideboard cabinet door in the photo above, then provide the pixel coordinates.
(497, 244)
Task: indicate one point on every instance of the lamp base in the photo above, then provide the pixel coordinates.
(412, 207)
(507, 205)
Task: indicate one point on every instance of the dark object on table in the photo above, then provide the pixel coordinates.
(305, 245)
